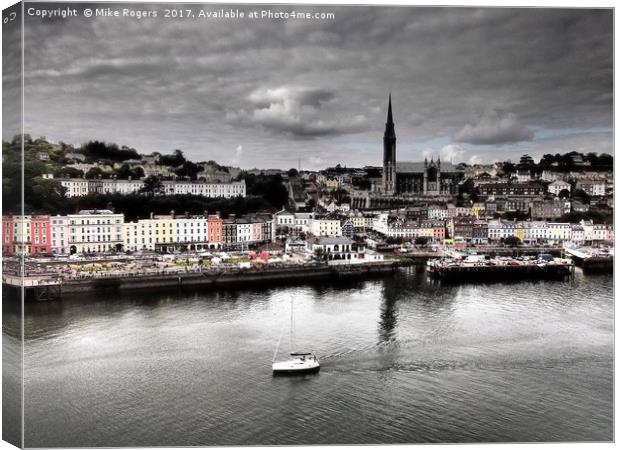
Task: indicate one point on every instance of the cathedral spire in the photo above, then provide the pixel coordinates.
(389, 125)
(389, 152)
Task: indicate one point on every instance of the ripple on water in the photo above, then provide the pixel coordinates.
(403, 360)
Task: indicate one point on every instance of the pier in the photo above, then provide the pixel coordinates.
(38, 289)
(592, 261)
(500, 269)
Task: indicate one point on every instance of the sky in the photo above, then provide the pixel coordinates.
(468, 84)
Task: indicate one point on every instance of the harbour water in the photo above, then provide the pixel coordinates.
(403, 360)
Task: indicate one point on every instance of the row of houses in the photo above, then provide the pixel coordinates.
(77, 187)
(101, 231)
(480, 231)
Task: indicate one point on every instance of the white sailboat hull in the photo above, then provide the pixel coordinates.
(308, 364)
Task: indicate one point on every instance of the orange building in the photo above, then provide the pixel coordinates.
(215, 229)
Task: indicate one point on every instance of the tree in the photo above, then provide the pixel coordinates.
(97, 150)
(94, 172)
(581, 195)
(508, 167)
(319, 254)
(68, 172)
(174, 160)
(152, 186)
(421, 240)
(292, 173)
(512, 241)
(564, 193)
(188, 169)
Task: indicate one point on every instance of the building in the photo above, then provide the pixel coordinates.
(322, 226)
(77, 187)
(40, 235)
(213, 190)
(558, 231)
(558, 186)
(335, 248)
(426, 179)
(95, 231)
(549, 209)
(396, 227)
(595, 188)
(513, 189)
(215, 229)
(501, 229)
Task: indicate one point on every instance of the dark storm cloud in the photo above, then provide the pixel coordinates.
(317, 90)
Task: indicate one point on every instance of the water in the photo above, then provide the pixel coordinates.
(403, 360)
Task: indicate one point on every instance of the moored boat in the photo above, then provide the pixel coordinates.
(299, 363)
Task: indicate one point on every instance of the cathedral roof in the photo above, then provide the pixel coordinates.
(418, 167)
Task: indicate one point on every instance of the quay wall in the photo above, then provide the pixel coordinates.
(224, 278)
(595, 263)
(507, 272)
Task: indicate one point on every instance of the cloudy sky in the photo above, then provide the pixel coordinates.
(472, 85)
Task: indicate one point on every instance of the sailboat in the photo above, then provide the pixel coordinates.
(299, 362)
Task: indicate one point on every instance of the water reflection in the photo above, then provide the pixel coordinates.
(404, 360)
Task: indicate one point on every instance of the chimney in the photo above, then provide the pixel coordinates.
(151, 216)
(172, 213)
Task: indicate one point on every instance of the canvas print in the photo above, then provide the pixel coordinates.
(255, 224)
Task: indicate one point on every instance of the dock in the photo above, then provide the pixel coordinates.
(54, 288)
(592, 260)
(499, 269)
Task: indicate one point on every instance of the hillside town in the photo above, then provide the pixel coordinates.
(560, 200)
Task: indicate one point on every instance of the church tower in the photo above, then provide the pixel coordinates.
(389, 153)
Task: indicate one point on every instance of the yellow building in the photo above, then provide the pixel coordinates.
(478, 210)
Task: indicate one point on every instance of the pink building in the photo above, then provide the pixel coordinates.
(40, 235)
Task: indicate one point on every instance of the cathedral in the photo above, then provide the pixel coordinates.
(426, 178)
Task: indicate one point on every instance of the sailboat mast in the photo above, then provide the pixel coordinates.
(291, 335)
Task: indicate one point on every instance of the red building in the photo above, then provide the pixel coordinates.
(215, 229)
(8, 236)
(40, 235)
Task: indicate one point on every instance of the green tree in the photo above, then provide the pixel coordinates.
(421, 240)
(292, 173)
(512, 241)
(152, 186)
(176, 159)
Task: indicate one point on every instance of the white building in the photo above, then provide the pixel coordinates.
(558, 186)
(437, 212)
(335, 248)
(95, 231)
(577, 234)
(595, 188)
(534, 231)
(284, 218)
(244, 231)
(558, 231)
(111, 186)
(500, 229)
(396, 227)
(59, 227)
(226, 190)
(325, 227)
(596, 232)
(302, 221)
(191, 231)
(76, 187)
